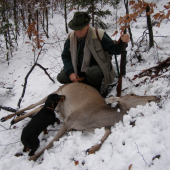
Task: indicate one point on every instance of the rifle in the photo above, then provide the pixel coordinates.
(122, 67)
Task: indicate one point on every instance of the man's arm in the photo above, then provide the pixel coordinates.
(112, 48)
(66, 57)
(68, 67)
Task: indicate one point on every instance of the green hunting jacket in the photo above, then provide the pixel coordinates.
(100, 53)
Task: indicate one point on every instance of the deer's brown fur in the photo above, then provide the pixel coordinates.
(84, 109)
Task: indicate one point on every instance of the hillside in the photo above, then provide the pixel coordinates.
(144, 146)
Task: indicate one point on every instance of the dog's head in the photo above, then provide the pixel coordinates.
(53, 100)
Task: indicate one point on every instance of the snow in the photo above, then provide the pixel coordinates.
(127, 146)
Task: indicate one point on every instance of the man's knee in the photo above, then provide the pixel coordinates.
(95, 75)
(63, 78)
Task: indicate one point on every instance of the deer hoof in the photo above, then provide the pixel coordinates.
(89, 151)
(12, 122)
(3, 119)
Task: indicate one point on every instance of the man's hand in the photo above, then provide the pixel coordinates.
(74, 77)
(125, 37)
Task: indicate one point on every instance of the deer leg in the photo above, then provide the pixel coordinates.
(96, 147)
(60, 133)
(22, 110)
(26, 115)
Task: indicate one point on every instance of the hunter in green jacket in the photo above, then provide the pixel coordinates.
(87, 53)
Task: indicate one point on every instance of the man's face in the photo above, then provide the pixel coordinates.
(82, 32)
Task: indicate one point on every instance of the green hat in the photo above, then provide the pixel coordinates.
(79, 21)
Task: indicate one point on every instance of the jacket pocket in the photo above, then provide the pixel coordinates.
(100, 52)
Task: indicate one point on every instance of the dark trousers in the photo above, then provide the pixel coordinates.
(93, 77)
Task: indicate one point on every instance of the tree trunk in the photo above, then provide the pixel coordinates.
(29, 19)
(149, 25)
(38, 42)
(93, 13)
(46, 15)
(4, 18)
(129, 28)
(22, 15)
(65, 15)
(52, 8)
(15, 19)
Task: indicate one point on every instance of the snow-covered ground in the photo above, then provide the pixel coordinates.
(146, 146)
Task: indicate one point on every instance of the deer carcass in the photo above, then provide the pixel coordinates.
(84, 109)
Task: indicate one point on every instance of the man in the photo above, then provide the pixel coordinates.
(87, 53)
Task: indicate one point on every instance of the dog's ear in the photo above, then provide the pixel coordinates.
(48, 102)
(52, 100)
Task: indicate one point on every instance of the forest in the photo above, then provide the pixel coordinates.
(20, 17)
(32, 36)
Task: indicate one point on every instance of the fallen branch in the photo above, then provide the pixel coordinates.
(140, 153)
(45, 72)
(4, 127)
(9, 109)
(156, 70)
(11, 143)
(25, 84)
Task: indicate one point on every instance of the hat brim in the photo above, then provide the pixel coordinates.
(73, 27)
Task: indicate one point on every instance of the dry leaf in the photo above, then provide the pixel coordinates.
(76, 162)
(130, 166)
(114, 33)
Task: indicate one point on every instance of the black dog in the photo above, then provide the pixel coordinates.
(40, 122)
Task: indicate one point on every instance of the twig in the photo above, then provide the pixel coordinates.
(140, 153)
(25, 84)
(45, 72)
(10, 143)
(4, 127)
(9, 109)
(59, 144)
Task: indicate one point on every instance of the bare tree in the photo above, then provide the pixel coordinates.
(149, 25)
(65, 15)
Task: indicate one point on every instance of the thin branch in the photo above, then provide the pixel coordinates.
(11, 143)
(140, 153)
(45, 72)
(4, 127)
(9, 109)
(25, 84)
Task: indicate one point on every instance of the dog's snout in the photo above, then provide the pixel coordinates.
(62, 98)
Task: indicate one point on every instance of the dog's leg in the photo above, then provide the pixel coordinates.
(60, 133)
(45, 131)
(31, 153)
(25, 149)
(26, 115)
